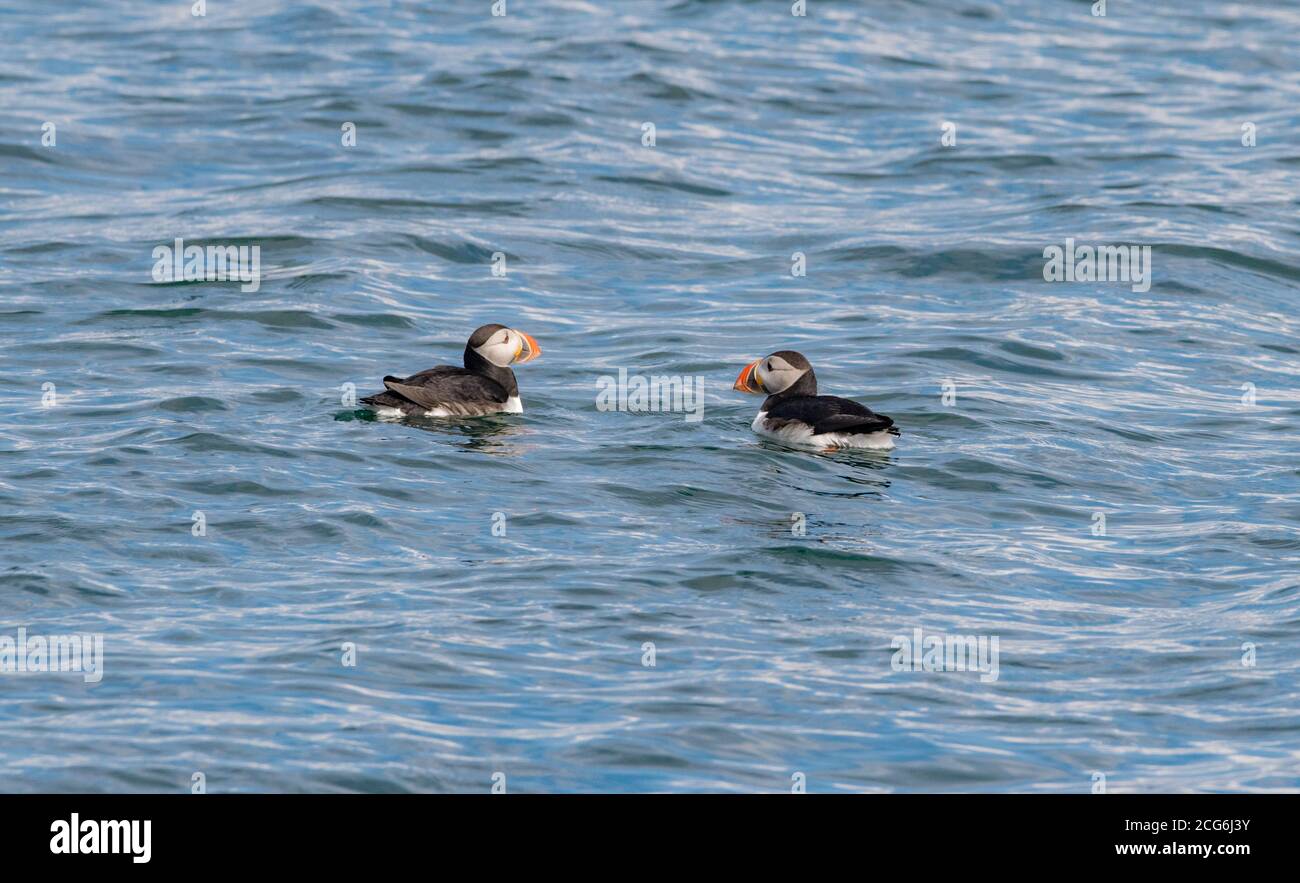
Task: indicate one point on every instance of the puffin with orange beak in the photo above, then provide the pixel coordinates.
(486, 385)
(794, 414)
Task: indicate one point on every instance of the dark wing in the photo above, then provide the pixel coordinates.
(443, 387)
(433, 374)
(830, 414)
(391, 400)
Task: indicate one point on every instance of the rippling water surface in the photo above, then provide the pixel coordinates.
(1120, 653)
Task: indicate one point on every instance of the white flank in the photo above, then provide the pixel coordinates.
(801, 435)
(513, 405)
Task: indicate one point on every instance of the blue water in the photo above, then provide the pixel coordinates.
(1121, 654)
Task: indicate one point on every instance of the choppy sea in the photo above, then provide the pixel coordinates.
(1102, 476)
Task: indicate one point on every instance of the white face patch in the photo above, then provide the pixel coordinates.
(501, 348)
(777, 375)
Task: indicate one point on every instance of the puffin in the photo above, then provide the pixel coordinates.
(486, 385)
(794, 414)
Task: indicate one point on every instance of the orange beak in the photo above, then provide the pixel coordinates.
(529, 350)
(747, 382)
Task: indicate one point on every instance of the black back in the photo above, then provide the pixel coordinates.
(801, 404)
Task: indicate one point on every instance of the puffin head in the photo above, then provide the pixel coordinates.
(504, 346)
(774, 374)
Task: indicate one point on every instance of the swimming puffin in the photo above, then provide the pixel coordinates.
(795, 415)
(486, 385)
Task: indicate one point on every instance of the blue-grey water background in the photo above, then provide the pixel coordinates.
(1120, 654)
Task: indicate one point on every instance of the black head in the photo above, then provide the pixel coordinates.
(484, 333)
